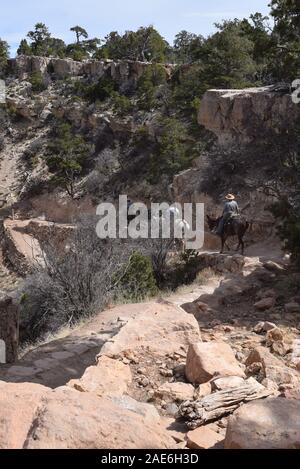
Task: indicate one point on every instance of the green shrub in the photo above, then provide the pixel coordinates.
(289, 229)
(100, 91)
(37, 82)
(173, 153)
(122, 104)
(67, 156)
(138, 281)
(153, 77)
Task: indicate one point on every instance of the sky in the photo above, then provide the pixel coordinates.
(99, 17)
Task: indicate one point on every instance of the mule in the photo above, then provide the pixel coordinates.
(236, 226)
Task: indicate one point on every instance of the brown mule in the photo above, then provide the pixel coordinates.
(237, 226)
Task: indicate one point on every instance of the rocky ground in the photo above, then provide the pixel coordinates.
(214, 366)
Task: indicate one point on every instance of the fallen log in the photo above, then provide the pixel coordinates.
(219, 404)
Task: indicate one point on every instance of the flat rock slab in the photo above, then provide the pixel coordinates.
(69, 419)
(147, 411)
(46, 363)
(78, 348)
(176, 392)
(228, 382)
(159, 328)
(62, 355)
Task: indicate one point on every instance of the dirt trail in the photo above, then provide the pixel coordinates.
(255, 255)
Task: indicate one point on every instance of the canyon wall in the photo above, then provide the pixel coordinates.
(243, 116)
(120, 71)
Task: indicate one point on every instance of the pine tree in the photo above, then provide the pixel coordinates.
(80, 32)
(24, 48)
(4, 48)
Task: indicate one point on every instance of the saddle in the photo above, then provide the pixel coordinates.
(231, 218)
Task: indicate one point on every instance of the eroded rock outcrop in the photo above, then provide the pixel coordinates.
(121, 71)
(23, 241)
(242, 116)
(240, 119)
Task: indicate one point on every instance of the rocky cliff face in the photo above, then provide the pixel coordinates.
(243, 116)
(122, 72)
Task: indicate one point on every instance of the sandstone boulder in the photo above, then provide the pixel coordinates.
(265, 304)
(263, 327)
(19, 404)
(274, 335)
(265, 424)
(271, 367)
(210, 359)
(204, 438)
(295, 358)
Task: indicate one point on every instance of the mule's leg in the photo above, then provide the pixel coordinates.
(223, 243)
(242, 244)
(224, 238)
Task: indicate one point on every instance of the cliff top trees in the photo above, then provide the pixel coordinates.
(82, 49)
(80, 32)
(228, 57)
(258, 30)
(39, 37)
(145, 44)
(42, 43)
(286, 14)
(24, 48)
(186, 46)
(3, 55)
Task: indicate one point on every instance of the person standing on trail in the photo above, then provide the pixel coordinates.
(231, 209)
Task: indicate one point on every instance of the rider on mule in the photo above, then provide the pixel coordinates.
(231, 209)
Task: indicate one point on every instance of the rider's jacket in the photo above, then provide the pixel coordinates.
(231, 207)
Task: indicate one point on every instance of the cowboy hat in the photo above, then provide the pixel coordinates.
(230, 197)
